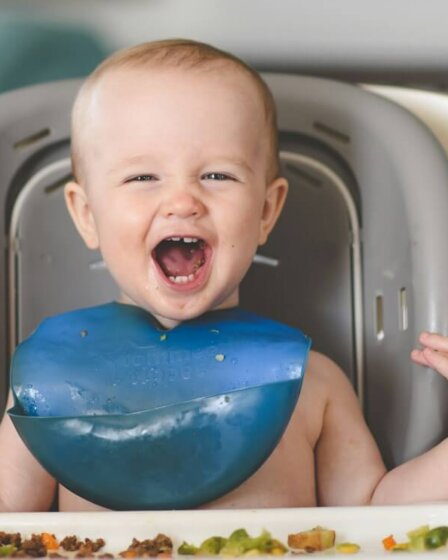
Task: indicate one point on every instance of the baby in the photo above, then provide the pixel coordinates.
(177, 182)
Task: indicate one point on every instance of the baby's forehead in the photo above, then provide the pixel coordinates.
(159, 75)
(169, 79)
(122, 93)
(192, 92)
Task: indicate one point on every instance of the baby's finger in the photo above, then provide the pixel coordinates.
(418, 357)
(435, 341)
(437, 361)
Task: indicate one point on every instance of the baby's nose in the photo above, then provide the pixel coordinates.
(183, 203)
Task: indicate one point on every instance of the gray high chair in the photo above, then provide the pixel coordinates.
(358, 260)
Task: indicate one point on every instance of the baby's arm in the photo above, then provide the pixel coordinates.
(349, 468)
(434, 353)
(425, 477)
(348, 462)
(24, 484)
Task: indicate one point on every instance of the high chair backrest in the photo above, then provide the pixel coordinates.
(358, 259)
(395, 172)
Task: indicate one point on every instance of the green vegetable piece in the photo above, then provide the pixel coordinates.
(436, 537)
(239, 535)
(422, 530)
(186, 548)
(7, 549)
(262, 543)
(232, 549)
(241, 543)
(417, 544)
(237, 544)
(417, 538)
(212, 546)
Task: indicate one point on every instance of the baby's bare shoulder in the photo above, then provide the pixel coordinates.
(317, 388)
(324, 384)
(323, 376)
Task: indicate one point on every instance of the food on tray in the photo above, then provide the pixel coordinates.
(420, 539)
(83, 548)
(436, 537)
(314, 540)
(46, 544)
(9, 542)
(49, 541)
(12, 544)
(161, 546)
(389, 542)
(238, 544)
(348, 548)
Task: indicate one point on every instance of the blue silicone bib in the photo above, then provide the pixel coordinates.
(115, 359)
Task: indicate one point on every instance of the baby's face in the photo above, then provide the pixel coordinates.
(174, 186)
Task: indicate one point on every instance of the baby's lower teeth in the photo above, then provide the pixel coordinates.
(182, 279)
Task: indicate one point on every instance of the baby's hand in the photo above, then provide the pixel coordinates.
(434, 353)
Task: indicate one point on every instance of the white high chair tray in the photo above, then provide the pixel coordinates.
(366, 526)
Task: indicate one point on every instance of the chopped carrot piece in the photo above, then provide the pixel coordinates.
(389, 542)
(49, 541)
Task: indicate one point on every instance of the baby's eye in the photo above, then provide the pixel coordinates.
(216, 176)
(141, 178)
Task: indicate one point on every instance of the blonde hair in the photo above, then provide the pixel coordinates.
(182, 53)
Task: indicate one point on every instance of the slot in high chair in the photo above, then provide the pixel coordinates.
(358, 259)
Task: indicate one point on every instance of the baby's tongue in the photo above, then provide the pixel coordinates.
(179, 258)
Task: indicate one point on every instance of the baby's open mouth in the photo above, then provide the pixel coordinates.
(181, 258)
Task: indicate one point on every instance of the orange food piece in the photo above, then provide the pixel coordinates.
(128, 554)
(49, 541)
(389, 542)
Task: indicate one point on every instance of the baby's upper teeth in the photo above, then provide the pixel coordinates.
(184, 239)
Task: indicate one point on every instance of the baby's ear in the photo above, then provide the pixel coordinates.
(79, 208)
(274, 200)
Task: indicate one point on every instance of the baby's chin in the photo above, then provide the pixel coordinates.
(169, 318)
(171, 314)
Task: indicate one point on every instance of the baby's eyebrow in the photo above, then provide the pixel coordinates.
(215, 162)
(235, 161)
(130, 160)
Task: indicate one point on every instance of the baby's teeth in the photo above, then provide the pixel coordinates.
(182, 279)
(179, 279)
(190, 239)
